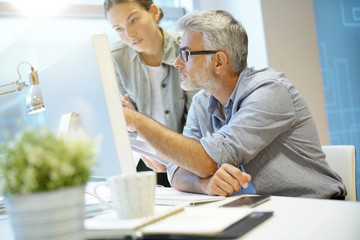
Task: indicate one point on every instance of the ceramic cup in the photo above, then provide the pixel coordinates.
(132, 195)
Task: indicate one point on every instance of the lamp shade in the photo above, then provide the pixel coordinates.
(34, 99)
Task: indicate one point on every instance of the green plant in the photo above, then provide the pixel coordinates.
(37, 160)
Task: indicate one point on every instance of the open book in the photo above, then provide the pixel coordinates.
(166, 220)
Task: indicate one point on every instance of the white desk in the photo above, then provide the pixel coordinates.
(301, 218)
(294, 218)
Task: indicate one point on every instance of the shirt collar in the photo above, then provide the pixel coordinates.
(214, 107)
(242, 74)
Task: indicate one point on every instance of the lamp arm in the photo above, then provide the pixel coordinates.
(20, 85)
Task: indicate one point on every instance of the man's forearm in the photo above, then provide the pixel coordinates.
(186, 181)
(184, 152)
(227, 180)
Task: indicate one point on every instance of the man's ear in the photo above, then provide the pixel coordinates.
(221, 61)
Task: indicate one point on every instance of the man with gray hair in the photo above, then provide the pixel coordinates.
(255, 120)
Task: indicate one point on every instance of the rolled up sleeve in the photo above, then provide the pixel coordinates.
(255, 122)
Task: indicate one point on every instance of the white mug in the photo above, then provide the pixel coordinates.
(132, 195)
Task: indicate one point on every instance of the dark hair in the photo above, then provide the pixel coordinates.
(144, 3)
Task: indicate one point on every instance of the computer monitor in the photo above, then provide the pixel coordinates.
(84, 82)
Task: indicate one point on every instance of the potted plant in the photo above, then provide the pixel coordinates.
(42, 179)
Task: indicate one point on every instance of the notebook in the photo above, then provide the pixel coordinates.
(107, 224)
(166, 220)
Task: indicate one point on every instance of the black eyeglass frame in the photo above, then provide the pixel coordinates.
(187, 53)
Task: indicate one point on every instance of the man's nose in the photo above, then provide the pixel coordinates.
(178, 63)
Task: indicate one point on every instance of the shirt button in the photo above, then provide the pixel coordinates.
(167, 112)
(163, 85)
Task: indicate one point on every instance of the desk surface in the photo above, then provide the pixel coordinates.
(301, 218)
(294, 218)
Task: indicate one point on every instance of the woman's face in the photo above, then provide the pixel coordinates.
(136, 26)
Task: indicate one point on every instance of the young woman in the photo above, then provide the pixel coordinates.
(144, 59)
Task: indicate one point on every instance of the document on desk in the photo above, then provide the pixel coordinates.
(163, 196)
(170, 196)
(190, 221)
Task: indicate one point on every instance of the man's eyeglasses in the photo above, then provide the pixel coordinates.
(185, 54)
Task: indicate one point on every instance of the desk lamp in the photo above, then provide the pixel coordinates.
(34, 100)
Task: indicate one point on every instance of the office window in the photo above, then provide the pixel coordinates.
(42, 40)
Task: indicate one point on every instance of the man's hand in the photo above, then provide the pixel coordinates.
(226, 180)
(154, 165)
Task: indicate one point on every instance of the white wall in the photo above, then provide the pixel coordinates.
(282, 35)
(293, 49)
(248, 13)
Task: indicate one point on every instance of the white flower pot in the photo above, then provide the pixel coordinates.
(57, 214)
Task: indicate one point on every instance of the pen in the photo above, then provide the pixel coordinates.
(250, 189)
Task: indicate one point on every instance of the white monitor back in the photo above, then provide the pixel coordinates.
(84, 82)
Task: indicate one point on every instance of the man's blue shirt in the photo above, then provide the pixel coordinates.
(267, 128)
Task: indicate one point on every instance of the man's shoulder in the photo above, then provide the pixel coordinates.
(264, 74)
(257, 78)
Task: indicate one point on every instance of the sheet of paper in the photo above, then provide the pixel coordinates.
(163, 196)
(170, 196)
